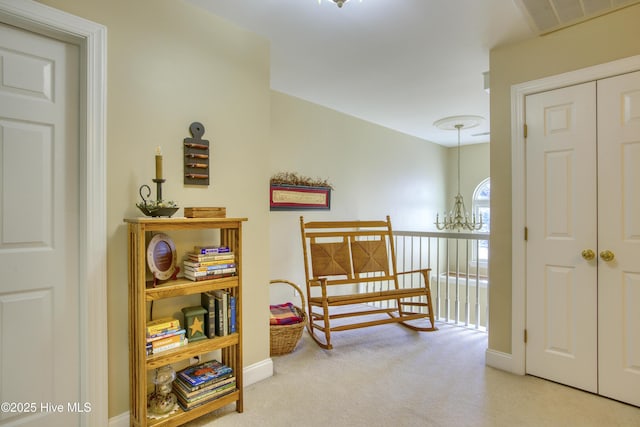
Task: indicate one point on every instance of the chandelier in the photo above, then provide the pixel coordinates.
(337, 2)
(458, 218)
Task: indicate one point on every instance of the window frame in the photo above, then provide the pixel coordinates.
(479, 202)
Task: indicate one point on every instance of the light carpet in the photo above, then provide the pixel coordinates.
(391, 376)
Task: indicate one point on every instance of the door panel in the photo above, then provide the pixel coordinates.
(619, 232)
(39, 238)
(561, 220)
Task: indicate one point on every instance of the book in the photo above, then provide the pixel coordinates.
(201, 268)
(204, 373)
(207, 300)
(194, 264)
(189, 392)
(151, 350)
(187, 406)
(171, 339)
(208, 276)
(205, 250)
(222, 322)
(210, 272)
(192, 275)
(207, 395)
(165, 334)
(193, 257)
(232, 314)
(181, 389)
(165, 324)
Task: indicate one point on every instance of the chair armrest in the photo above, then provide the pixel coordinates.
(423, 271)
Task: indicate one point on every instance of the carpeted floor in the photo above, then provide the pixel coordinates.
(391, 376)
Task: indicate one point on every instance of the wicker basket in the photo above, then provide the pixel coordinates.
(284, 338)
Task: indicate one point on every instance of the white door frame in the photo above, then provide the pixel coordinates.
(92, 40)
(518, 188)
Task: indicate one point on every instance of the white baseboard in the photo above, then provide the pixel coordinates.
(251, 375)
(499, 360)
(121, 420)
(257, 372)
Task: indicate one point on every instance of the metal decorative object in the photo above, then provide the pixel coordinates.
(155, 208)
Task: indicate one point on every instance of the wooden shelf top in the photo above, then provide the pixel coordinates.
(179, 220)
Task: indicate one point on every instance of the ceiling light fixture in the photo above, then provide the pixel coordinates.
(338, 2)
(458, 218)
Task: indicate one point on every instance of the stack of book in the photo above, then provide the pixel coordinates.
(209, 262)
(164, 334)
(221, 314)
(199, 384)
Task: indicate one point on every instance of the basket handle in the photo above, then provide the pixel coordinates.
(294, 286)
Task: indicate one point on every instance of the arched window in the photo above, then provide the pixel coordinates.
(481, 209)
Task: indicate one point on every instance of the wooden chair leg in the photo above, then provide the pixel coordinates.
(430, 307)
(311, 327)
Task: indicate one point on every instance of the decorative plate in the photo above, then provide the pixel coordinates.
(161, 256)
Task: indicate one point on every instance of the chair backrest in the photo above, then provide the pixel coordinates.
(348, 251)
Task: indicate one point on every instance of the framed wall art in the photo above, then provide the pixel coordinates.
(293, 197)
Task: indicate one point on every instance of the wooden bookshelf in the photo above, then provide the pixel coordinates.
(142, 292)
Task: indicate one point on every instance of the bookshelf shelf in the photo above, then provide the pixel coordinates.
(190, 350)
(182, 287)
(142, 291)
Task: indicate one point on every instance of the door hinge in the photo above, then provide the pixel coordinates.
(526, 234)
(525, 130)
(525, 336)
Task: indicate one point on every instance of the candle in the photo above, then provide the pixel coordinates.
(158, 163)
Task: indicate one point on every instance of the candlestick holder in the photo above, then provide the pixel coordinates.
(158, 207)
(159, 183)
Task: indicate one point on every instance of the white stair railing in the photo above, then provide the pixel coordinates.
(459, 273)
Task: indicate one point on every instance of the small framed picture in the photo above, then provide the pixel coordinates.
(161, 257)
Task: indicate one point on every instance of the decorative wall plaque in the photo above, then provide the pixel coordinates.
(196, 156)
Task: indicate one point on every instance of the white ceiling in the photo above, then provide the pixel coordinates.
(402, 64)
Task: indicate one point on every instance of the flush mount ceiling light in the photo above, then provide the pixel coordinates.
(338, 2)
(458, 218)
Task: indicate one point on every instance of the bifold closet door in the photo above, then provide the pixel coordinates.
(583, 248)
(619, 233)
(561, 214)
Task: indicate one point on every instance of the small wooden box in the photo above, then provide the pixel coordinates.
(205, 212)
(194, 322)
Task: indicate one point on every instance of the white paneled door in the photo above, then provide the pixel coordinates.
(561, 222)
(39, 223)
(619, 233)
(583, 247)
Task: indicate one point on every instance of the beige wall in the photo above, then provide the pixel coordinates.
(375, 172)
(169, 65)
(600, 40)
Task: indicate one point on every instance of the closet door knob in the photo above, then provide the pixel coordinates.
(588, 254)
(607, 255)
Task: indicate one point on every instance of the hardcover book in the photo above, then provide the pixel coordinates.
(205, 250)
(189, 392)
(204, 373)
(193, 257)
(232, 314)
(159, 326)
(208, 301)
